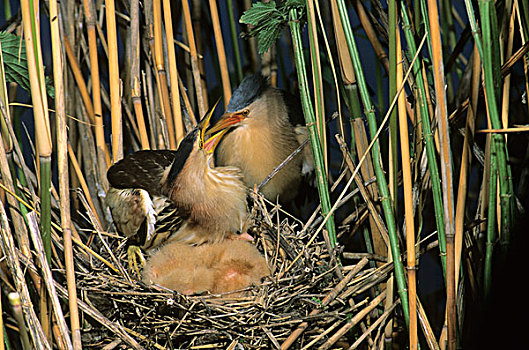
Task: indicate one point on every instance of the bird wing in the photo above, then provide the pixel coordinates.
(143, 170)
(148, 221)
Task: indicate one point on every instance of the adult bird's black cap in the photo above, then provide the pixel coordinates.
(250, 89)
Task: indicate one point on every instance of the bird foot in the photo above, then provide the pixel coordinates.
(245, 236)
(133, 252)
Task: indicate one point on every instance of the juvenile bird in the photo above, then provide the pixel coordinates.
(267, 128)
(215, 267)
(162, 196)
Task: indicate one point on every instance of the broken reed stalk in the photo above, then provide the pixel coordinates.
(201, 94)
(40, 111)
(177, 118)
(310, 121)
(408, 195)
(62, 155)
(375, 324)
(381, 179)
(14, 300)
(48, 279)
(466, 161)
(135, 81)
(102, 152)
(353, 321)
(8, 247)
(221, 52)
(446, 169)
(328, 298)
(114, 82)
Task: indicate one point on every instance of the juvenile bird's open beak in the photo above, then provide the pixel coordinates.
(211, 137)
(228, 120)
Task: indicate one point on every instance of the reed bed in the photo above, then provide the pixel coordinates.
(416, 115)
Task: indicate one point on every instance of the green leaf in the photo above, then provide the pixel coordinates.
(260, 13)
(16, 64)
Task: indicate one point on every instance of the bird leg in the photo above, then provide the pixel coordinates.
(132, 252)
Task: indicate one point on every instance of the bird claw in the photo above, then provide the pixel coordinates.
(132, 252)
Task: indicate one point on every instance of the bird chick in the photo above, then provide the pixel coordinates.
(220, 267)
(160, 196)
(266, 130)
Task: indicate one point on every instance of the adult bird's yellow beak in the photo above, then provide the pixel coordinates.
(210, 138)
(228, 120)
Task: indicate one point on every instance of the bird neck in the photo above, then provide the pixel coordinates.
(214, 197)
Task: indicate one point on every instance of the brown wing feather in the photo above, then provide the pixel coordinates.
(142, 169)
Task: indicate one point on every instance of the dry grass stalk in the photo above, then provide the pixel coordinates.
(161, 78)
(199, 89)
(62, 155)
(8, 247)
(48, 279)
(135, 72)
(408, 200)
(173, 73)
(221, 52)
(446, 169)
(114, 82)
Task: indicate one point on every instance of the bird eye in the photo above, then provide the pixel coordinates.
(245, 112)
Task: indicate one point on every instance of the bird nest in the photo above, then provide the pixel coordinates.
(302, 302)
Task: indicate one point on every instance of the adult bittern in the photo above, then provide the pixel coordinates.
(266, 131)
(161, 196)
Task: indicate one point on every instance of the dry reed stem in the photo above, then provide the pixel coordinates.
(135, 72)
(375, 324)
(221, 52)
(48, 279)
(348, 75)
(2, 327)
(318, 91)
(102, 150)
(446, 169)
(353, 321)
(114, 82)
(78, 75)
(408, 200)
(17, 219)
(82, 181)
(466, 161)
(200, 91)
(507, 79)
(374, 214)
(8, 247)
(36, 74)
(426, 328)
(163, 89)
(328, 298)
(173, 74)
(62, 159)
(187, 104)
(14, 300)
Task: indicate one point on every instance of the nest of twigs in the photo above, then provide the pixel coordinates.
(306, 290)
